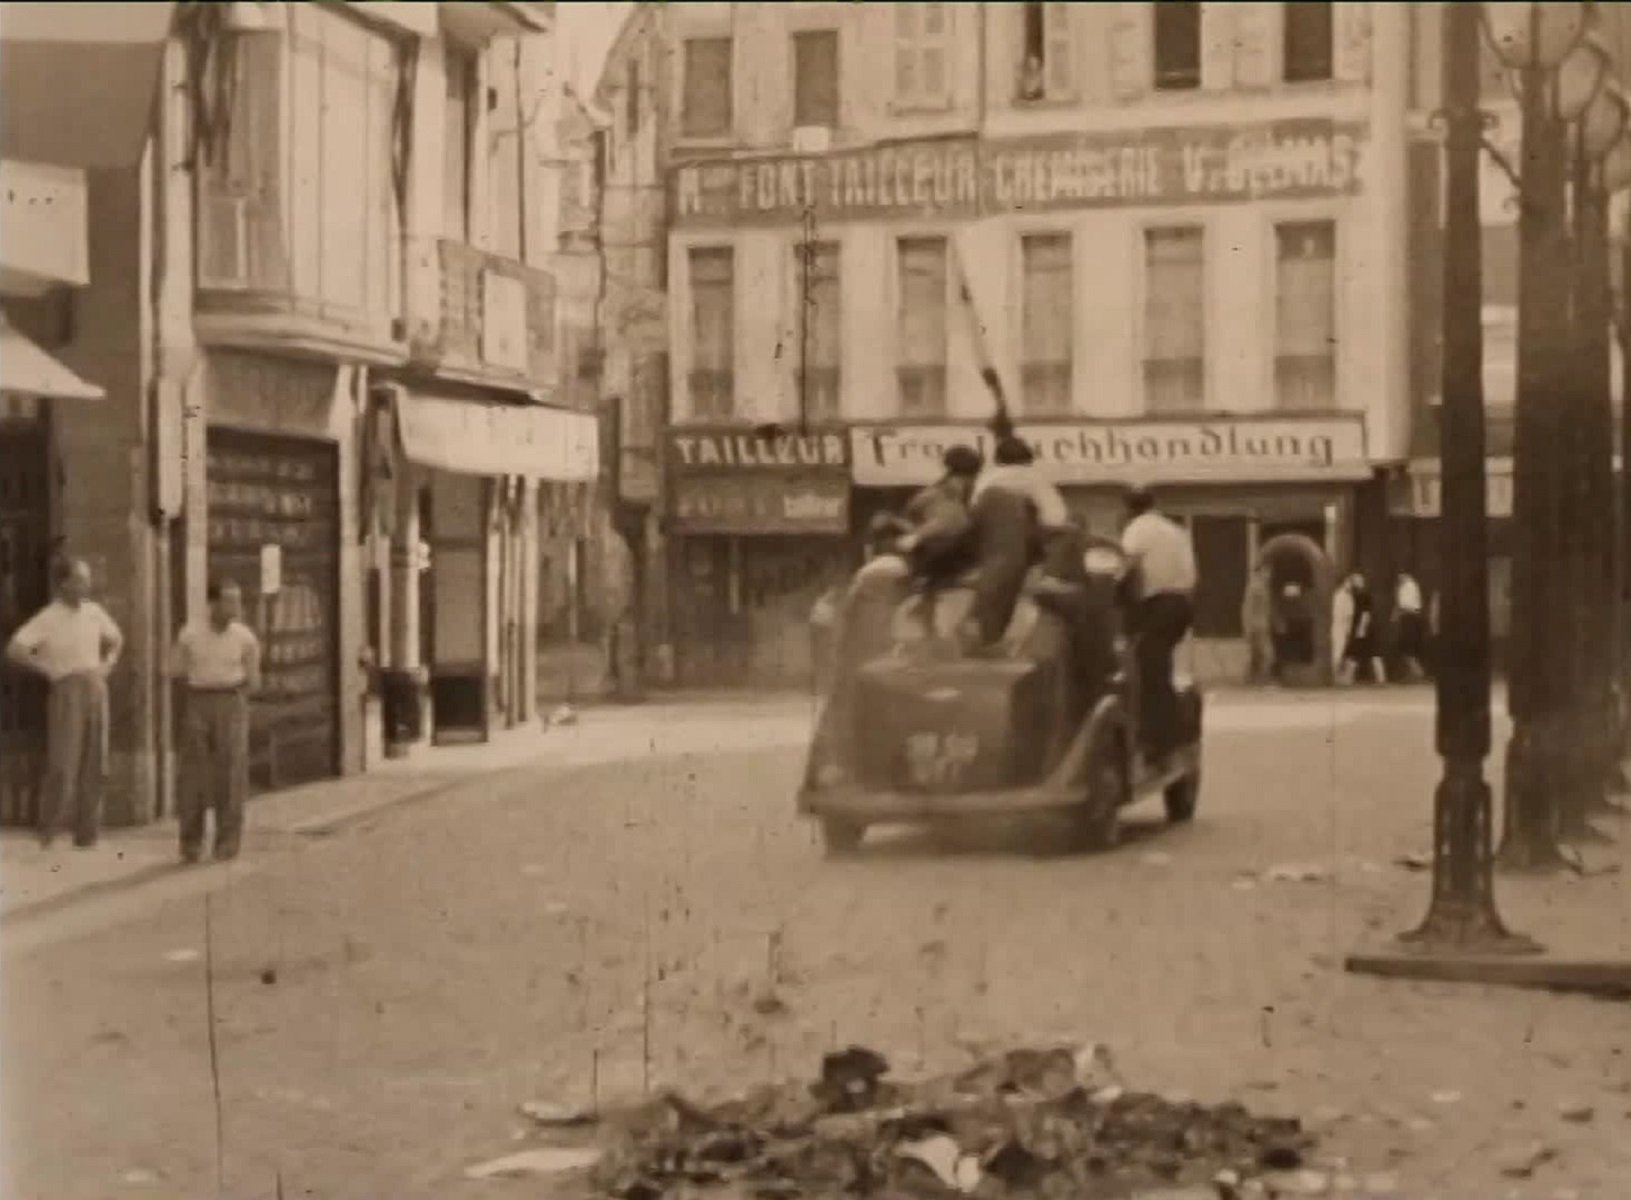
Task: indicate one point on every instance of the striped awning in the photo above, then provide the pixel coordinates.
(78, 81)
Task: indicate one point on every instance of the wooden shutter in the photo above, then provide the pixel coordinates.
(1218, 46)
(934, 53)
(1351, 54)
(1059, 50)
(1132, 50)
(1257, 26)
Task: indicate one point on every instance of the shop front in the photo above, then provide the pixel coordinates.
(463, 583)
(1286, 490)
(759, 528)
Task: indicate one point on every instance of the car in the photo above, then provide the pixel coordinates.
(930, 732)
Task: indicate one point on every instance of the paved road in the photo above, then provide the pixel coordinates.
(386, 997)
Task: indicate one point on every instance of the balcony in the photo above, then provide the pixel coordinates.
(45, 233)
(481, 318)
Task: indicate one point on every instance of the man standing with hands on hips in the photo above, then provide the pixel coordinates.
(219, 664)
(75, 645)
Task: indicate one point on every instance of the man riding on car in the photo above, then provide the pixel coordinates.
(1161, 570)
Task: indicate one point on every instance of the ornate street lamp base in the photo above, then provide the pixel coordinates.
(1466, 929)
(1595, 977)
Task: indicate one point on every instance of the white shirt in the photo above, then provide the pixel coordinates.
(1161, 551)
(1408, 597)
(207, 657)
(64, 639)
(1051, 509)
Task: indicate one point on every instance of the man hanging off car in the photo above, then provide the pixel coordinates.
(1161, 572)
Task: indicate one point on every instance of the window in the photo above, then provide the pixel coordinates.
(815, 78)
(302, 202)
(705, 108)
(456, 142)
(1305, 328)
(713, 333)
(819, 347)
(1174, 320)
(1307, 46)
(631, 101)
(1048, 316)
(922, 54)
(1177, 45)
(920, 326)
(1047, 52)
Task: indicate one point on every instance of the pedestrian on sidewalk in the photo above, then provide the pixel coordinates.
(219, 663)
(1257, 623)
(75, 645)
(1410, 627)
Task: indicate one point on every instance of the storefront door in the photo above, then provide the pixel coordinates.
(274, 520)
(25, 585)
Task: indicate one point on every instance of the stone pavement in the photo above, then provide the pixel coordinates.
(34, 881)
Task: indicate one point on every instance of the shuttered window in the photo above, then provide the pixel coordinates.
(920, 326)
(819, 373)
(713, 332)
(458, 118)
(922, 55)
(1174, 320)
(1305, 333)
(1047, 66)
(705, 105)
(1047, 314)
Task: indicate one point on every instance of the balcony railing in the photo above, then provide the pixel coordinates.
(493, 319)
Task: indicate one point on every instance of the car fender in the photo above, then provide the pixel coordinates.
(1107, 718)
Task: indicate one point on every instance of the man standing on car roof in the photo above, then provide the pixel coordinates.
(1161, 559)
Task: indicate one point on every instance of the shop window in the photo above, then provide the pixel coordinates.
(1305, 330)
(458, 122)
(922, 55)
(815, 78)
(1177, 45)
(819, 366)
(705, 105)
(1307, 44)
(1047, 316)
(713, 332)
(1047, 68)
(1174, 320)
(920, 326)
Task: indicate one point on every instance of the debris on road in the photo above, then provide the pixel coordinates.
(186, 955)
(564, 715)
(1297, 873)
(1522, 1161)
(559, 1116)
(1576, 1111)
(1029, 1122)
(1414, 862)
(546, 1160)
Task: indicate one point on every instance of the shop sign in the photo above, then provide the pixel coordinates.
(737, 451)
(810, 503)
(1222, 450)
(473, 437)
(963, 178)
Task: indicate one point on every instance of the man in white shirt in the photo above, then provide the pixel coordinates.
(219, 663)
(1410, 625)
(74, 645)
(1161, 559)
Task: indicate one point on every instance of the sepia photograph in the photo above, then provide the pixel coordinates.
(838, 600)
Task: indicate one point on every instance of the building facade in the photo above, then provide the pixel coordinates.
(328, 339)
(1182, 228)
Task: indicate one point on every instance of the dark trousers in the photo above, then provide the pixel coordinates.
(214, 769)
(1163, 620)
(76, 743)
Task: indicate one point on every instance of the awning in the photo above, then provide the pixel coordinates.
(77, 81)
(477, 437)
(26, 370)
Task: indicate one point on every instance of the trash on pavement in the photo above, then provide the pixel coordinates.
(1523, 1160)
(1414, 862)
(139, 1177)
(1030, 1121)
(561, 1116)
(546, 1160)
(1447, 1097)
(1297, 873)
(564, 715)
(1577, 1111)
(185, 955)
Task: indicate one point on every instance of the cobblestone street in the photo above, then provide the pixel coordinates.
(386, 996)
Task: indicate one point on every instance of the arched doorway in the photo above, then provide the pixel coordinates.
(1302, 576)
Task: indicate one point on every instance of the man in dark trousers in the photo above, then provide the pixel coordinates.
(1161, 559)
(218, 661)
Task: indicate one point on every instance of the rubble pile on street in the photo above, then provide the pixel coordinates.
(1046, 1123)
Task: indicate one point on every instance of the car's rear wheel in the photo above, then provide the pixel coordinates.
(841, 837)
(1098, 822)
(1181, 797)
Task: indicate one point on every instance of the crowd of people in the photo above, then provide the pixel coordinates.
(1280, 618)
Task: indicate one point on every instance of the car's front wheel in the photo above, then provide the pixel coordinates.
(841, 837)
